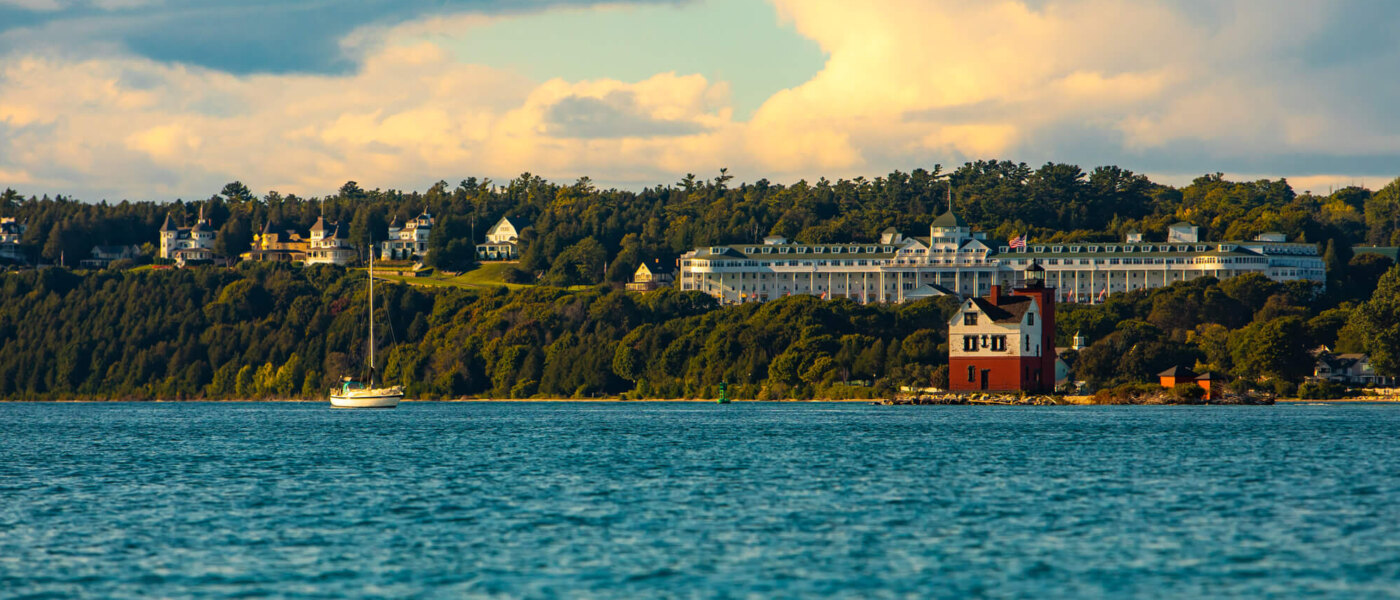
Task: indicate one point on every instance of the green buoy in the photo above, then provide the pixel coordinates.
(723, 393)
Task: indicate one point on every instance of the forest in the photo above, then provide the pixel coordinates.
(258, 330)
(265, 331)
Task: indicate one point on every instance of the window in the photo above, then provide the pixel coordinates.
(969, 318)
(998, 343)
(970, 343)
(1030, 319)
(971, 373)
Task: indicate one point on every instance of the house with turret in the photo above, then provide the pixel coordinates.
(188, 245)
(408, 240)
(330, 244)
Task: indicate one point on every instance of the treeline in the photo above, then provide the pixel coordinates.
(579, 234)
(1250, 328)
(278, 331)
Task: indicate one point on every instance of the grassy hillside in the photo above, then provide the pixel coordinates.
(484, 276)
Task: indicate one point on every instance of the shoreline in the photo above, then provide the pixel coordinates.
(444, 400)
(1067, 400)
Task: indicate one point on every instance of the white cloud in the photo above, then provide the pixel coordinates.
(907, 83)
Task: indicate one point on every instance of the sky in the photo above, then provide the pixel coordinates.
(165, 99)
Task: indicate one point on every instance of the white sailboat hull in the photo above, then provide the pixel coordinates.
(380, 398)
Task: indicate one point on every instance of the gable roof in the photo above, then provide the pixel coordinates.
(1178, 372)
(516, 222)
(1007, 310)
(929, 289)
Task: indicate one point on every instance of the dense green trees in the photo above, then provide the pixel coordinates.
(450, 246)
(1249, 327)
(1054, 202)
(279, 331)
(233, 333)
(1374, 326)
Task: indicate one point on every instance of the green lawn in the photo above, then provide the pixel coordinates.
(487, 275)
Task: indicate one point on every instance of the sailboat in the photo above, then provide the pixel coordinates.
(356, 394)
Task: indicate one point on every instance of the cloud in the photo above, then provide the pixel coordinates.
(1169, 87)
(137, 128)
(235, 36)
(951, 80)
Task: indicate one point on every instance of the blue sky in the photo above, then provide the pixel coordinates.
(155, 99)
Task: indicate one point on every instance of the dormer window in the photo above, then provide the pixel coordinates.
(1074, 248)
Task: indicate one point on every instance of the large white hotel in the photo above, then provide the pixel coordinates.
(956, 260)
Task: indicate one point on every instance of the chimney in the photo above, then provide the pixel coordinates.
(996, 295)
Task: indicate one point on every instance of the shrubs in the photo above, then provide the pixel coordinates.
(1321, 390)
(1128, 393)
(1189, 392)
(517, 275)
(1284, 388)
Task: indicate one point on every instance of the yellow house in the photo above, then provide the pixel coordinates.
(650, 276)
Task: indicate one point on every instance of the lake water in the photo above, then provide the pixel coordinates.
(697, 500)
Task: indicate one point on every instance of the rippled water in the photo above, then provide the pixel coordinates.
(697, 500)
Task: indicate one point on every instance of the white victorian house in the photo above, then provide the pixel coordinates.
(188, 244)
(330, 244)
(409, 240)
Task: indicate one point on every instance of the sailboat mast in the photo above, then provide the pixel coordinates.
(371, 313)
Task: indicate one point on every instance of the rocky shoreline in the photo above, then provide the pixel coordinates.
(1162, 399)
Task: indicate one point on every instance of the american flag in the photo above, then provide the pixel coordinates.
(1017, 242)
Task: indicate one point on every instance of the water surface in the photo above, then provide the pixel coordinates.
(697, 500)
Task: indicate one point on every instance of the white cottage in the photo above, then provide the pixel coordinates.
(502, 240)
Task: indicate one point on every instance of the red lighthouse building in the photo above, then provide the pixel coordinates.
(1005, 343)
